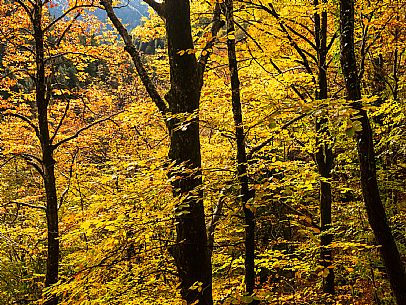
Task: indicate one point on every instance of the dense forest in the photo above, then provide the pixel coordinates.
(206, 152)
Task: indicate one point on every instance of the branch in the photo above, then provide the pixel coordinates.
(211, 226)
(217, 24)
(66, 190)
(26, 9)
(300, 52)
(30, 159)
(7, 161)
(29, 205)
(269, 140)
(135, 55)
(297, 212)
(61, 121)
(23, 118)
(159, 8)
(55, 146)
(51, 57)
(302, 36)
(67, 29)
(300, 95)
(248, 35)
(75, 7)
(300, 24)
(332, 41)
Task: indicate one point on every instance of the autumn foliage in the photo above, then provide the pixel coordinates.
(137, 171)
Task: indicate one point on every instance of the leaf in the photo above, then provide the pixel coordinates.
(350, 131)
(324, 273)
(110, 228)
(315, 230)
(247, 299)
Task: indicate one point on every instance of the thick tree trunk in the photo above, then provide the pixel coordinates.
(180, 111)
(375, 210)
(245, 192)
(191, 252)
(51, 276)
(324, 155)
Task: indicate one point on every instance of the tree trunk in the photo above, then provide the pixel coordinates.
(180, 111)
(375, 210)
(191, 252)
(324, 155)
(245, 192)
(48, 162)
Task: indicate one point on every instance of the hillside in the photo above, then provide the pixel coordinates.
(130, 13)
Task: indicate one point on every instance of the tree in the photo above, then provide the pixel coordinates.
(324, 152)
(41, 38)
(246, 193)
(365, 146)
(124, 205)
(180, 108)
(312, 51)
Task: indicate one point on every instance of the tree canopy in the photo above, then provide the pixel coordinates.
(210, 152)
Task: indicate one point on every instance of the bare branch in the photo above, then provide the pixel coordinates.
(7, 161)
(66, 190)
(139, 65)
(307, 215)
(269, 140)
(330, 44)
(69, 53)
(33, 161)
(67, 12)
(248, 35)
(211, 226)
(301, 36)
(299, 50)
(61, 121)
(29, 205)
(67, 29)
(299, 94)
(21, 117)
(26, 9)
(55, 146)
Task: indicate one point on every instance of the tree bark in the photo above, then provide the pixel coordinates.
(324, 155)
(48, 162)
(245, 192)
(191, 252)
(365, 146)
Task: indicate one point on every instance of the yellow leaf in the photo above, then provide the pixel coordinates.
(315, 230)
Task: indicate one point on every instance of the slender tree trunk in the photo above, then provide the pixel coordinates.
(396, 63)
(324, 155)
(375, 210)
(378, 81)
(191, 253)
(245, 192)
(48, 162)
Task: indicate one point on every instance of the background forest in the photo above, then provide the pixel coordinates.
(210, 152)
